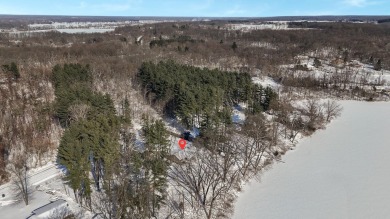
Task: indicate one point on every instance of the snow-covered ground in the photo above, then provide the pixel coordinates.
(45, 186)
(65, 25)
(70, 31)
(273, 25)
(340, 172)
(86, 30)
(238, 114)
(35, 177)
(266, 82)
(358, 72)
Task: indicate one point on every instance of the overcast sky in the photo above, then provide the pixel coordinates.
(196, 8)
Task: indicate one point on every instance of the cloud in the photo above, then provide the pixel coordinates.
(360, 3)
(83, 4)
(355, 3)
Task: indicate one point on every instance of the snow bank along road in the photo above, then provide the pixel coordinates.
(34, 178)
(340, 172)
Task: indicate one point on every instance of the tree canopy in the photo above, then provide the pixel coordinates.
(92, 135)
(200, 96)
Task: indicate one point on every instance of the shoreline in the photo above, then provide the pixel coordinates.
(265, 186)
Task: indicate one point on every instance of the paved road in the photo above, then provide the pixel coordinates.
(35, 178)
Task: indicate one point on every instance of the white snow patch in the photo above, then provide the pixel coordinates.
(340, 172)
(7, 202)
(266, 82)
(195, 132)
(238, 116)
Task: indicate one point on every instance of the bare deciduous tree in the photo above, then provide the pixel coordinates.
(201, 181)
(18, 169)
(313, 110)
(331, 110)
(62, 213)
(78, 111)
(253, 145)
(296, 126)
(3, 172)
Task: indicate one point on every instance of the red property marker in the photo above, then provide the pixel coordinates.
(182, 143)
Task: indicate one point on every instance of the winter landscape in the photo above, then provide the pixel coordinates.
(142, 109)
(340, 172)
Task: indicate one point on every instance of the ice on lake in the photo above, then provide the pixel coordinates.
(340, 172)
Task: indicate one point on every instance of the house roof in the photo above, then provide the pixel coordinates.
(49, 207)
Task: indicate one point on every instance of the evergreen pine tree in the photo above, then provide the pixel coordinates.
(155, 162)
(317, 62)
(378, 65)
(14, 70)
(234, 46)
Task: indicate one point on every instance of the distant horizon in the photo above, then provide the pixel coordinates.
(156, 16)
(196, 8)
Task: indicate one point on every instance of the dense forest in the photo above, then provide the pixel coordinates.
(201, 97)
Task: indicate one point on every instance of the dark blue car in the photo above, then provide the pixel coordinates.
(187, 136)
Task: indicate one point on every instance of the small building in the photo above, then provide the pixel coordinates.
(48, 210)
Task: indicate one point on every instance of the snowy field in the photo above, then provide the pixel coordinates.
(340, 172)
(86, 30)
(70, 31)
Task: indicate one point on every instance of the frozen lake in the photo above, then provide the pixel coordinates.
(340, 172)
